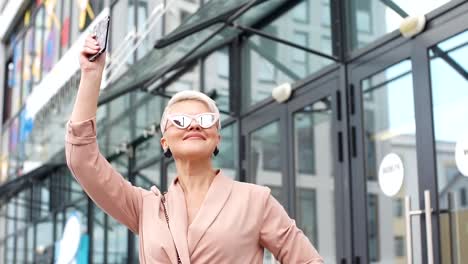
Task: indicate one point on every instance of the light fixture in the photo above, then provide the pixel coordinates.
(412, 25)
(282, 93)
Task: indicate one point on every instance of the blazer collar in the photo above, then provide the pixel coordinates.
(215, 199)
(186, 238)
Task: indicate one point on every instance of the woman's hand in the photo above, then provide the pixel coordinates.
(91, 47)
(91, 76)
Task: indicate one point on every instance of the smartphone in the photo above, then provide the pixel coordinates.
(102, 33)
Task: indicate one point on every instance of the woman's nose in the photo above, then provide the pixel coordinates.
(194, 125)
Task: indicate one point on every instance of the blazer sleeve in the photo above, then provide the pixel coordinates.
(106, 187)
(280, 235)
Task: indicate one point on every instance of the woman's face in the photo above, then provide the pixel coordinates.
(194, 142)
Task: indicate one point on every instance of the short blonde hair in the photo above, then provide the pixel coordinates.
(188, 95)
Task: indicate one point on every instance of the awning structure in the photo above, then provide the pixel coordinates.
(12, 187)
(213, 25)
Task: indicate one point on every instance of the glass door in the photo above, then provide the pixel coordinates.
(408, 112)
(313, 168)
(292, 149)
(449, 84)
(385, 160)
(263, 134)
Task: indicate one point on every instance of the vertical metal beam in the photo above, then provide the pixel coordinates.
(235, 77)
(344, 169)
(34, 242)
(351, 36)
(54, 230)
(16, 235)
(106, 237)
(235, 102)
(90, 230)
(131, 178)
(202, 79)
(339, 32)
(425, 146)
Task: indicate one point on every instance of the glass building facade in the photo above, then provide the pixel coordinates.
(362, 94)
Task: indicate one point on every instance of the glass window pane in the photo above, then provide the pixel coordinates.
(98, 236)
(4, 158)
(148, 150)
(389, 129)
(216, 77)
(149, 176)
(28, 77)
(371, 20)
(20, 59)
(148, 109)
(315, 176)
(11, 213)
(180, 18)
(117, 239)
(190, 80)
(116, 128)
(20, 247)
(45, 198)
(228, 149)
(39, 28)
(210, 10)
(269, 63)
(44, 241)
(325, 13)
(123, 19)
(76, 21)
(60, 223)
(10, 249)
(148, 23)
(66, 23)
(51, 36)
(171, 173)
(266, 160)
(30, 245)
(448, 66)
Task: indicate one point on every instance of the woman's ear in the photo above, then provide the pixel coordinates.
(163, 142)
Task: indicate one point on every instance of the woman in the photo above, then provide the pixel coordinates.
(205, 217)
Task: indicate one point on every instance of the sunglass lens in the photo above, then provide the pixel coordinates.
(181, 121)
(206, 120)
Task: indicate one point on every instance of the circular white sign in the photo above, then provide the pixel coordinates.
(70, 240)
(461, 156)
(391, 173)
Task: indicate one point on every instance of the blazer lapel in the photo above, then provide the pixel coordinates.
(214, 201)
(177, 213)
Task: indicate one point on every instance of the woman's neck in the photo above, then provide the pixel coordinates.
(195, 176)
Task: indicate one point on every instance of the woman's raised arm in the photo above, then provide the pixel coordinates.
(106, 187)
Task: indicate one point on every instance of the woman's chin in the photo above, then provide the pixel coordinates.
(193, 153)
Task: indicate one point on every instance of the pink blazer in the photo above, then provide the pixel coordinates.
(234, 224)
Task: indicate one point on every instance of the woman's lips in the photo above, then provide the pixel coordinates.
(194, 136)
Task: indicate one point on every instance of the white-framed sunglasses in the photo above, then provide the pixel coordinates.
(182, 121)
